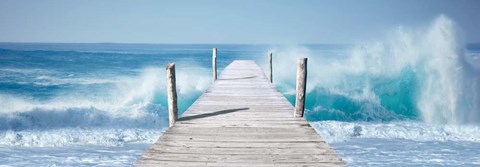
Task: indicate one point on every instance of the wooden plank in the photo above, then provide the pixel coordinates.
(242, 120)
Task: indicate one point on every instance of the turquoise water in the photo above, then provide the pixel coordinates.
(104, 104)
(44, 86)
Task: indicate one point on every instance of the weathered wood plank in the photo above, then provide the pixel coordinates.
(242, 120)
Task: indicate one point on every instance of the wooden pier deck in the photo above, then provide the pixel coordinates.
(241, 120)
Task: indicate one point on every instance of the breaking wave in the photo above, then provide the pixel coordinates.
(420, 74)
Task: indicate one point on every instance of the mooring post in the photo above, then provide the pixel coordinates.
(214, 64)
(270, 62)
(301, 86)
(172, 94)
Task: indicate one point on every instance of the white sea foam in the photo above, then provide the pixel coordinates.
(90, 155)
(131, 101)
(112, 136)
(446, 86)
(405, 143)
(335, 132)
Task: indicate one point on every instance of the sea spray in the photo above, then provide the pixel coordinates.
(441, 75)
(119, 141)
(418, 73)
(126, 101)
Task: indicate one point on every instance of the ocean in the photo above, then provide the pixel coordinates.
(409, 99)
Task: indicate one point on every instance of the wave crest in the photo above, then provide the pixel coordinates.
(414, 73)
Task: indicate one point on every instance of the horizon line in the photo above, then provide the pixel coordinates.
(141, 43)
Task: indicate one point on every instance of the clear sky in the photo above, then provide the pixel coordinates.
(224, 21)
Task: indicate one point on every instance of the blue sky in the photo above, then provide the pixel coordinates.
(224, 21)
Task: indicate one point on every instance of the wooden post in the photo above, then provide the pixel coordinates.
(172, 94)
(271, 70)
(214, 64)
(301, 86)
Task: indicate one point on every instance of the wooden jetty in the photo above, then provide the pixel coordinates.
(241, 120)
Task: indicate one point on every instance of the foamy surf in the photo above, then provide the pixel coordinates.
(403, 143)
(88, 137)
(414, 73)
(104, 104)
(337, 132)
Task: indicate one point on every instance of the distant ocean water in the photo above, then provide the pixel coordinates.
(409, 100)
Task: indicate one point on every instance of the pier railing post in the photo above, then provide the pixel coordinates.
(214, 64)
(172, 94)
(301, 86)
(271, 69)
